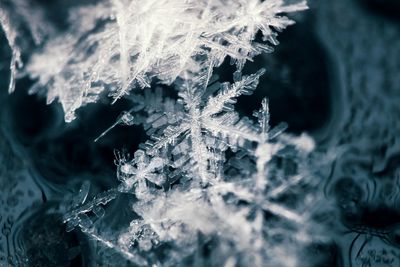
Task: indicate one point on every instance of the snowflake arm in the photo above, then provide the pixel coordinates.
(228, 94)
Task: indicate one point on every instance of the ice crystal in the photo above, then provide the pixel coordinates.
(119, 45)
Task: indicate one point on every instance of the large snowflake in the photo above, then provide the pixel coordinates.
(117, 45)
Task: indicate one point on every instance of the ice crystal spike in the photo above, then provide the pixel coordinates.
(125, 118)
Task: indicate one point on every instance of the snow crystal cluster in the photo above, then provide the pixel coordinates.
(118, 45)
(210, 187)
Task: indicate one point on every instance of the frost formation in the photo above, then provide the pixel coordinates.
(207, 176)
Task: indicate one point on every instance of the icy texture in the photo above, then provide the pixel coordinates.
(119, 45)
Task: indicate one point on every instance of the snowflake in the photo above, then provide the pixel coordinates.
(182, 186)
